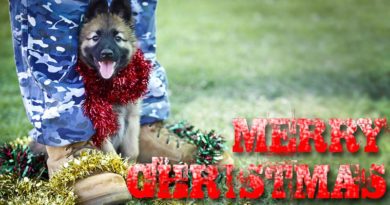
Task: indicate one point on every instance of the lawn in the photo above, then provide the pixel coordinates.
(271, 58)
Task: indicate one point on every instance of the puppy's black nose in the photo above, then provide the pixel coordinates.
(106, 54)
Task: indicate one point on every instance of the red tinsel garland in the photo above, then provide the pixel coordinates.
(127, 86)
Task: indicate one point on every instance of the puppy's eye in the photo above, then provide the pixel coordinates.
(118, 38)
(95, 38)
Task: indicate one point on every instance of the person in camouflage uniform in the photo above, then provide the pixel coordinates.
(45, 37)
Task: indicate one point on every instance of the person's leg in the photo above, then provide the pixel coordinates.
(155, 140)
(45, 37)
(155, 104)
(45, 45)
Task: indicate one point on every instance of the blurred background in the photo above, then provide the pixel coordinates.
(269, 58)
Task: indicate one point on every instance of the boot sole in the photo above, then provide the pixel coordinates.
(109, 199)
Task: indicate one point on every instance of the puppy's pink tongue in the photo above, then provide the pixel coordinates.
(106, 69)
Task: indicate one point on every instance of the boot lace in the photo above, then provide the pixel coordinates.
(170, 135)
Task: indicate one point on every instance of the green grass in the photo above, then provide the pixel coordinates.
(13, 119)
(256, 59)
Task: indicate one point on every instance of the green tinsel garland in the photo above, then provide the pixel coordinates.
(17, 158)
(210, 145)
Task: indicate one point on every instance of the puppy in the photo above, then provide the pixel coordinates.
(107, 43)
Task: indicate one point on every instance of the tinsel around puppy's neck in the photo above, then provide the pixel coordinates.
(127, 86)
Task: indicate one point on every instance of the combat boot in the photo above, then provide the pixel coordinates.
(100, 188)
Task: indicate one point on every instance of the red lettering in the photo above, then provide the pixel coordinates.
(253, 181)
(229, 182)
(180, 180)
(257, 133)
(278, 192)
(337, 134)
(149, 181)
(278, 135)
(198, 180)
(320, 176)
(378, 183)
(371, 134)
(345, 180)
(305, 135)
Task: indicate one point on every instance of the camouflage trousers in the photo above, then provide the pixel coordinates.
(45, 38)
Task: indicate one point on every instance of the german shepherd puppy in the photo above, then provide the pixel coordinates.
(107, 43)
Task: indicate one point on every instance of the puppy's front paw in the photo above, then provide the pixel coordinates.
(107, 147)
(132, 157)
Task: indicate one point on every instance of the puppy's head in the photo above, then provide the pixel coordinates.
(107, 40)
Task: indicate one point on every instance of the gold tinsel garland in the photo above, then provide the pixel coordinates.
(87, 164)
(20, 141)
(28, 191)
(59, 189)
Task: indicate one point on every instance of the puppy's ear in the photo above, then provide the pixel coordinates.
(121, 8)
(96, 7)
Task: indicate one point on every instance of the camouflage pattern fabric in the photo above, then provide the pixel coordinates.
(45, 37)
